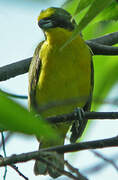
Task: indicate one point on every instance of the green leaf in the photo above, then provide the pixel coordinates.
(95, 8)
(82, 5)
(106, 75)
(91, 14)
(15, 118)
(71, 6)
(109, 13)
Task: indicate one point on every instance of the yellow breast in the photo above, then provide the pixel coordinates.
(65, 76)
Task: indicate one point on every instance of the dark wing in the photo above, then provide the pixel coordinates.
(34, 73)
(82, 124)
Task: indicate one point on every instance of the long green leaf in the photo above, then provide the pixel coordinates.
(82, 5)
(15, 118)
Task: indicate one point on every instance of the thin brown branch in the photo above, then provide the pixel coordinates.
(108, 160)
(95, 168)
(17, 170)
(14, 69)
(89, 115)
(75, 170)
(24, 157)
(105, 143)
(86, 115)
(63, 172)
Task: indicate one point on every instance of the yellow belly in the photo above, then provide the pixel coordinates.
(65, 76)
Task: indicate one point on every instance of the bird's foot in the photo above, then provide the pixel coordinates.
(79, 114)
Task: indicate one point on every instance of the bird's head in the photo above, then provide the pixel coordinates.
(55, 17)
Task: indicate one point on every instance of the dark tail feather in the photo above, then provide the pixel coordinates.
(40, 168)
(56, 159)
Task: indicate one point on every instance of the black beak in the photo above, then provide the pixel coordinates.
(45, 23)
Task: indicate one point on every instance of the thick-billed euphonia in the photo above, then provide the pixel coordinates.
(60, 80)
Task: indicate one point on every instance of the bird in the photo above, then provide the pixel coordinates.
(60, 80)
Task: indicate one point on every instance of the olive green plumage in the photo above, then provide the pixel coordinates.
(59, 81)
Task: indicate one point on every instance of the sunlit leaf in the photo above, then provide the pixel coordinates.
(71, 6)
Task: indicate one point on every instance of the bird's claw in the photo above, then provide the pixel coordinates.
(79, 114)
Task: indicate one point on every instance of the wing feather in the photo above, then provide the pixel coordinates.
(34, 74)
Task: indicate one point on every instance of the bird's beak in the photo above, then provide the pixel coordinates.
(45, 23)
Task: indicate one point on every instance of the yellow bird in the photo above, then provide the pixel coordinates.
(59, 80)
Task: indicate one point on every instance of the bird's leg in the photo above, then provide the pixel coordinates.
(79, 114)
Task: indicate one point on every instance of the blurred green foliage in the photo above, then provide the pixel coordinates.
(16, 118)
(105, 67)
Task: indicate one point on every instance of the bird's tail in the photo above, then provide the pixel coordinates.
(55, 161)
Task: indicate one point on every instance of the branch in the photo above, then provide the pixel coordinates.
(87, 115)
(21, 67)
(24, 157)
(99, 49)
(62, 172)
(109, 39)
(14, 69)
(75, 170)
(108, 160)
(12, 165)
(105, 143)
(17, 170)
(95, 168)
